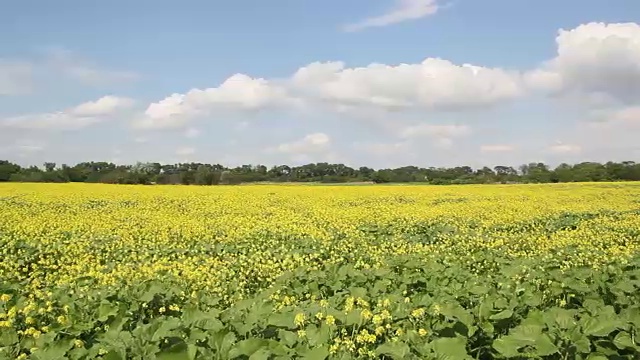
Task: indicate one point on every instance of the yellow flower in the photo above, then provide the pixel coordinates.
(418, 313)
(330, 320)
(299, 319)
(319, 315)
(78, 343)
(302, 333)
(422, 332)
(5, 297)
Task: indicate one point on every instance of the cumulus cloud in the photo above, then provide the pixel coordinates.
(629, 116)
(23, 147)
(185, 151)
(106, 105)
(562, 148)
(15, 77)
(312, 143)
(594, 58)
(73, 118)
(403, 10)
(433, 130)
(434, 84)
(442, 136)
(382, 149)
(191, 133)
(239, 92)
(496, 148)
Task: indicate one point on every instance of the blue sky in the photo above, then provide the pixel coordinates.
(379, 82)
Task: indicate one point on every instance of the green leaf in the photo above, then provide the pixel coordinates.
(485, 309)
(396, 350)
(582, 344)
(261, 354)
(507, 346)
(289, 338)
(623, 341)
(151, 293)
(545, 346)
(211, 324)
(599, 326)
(563, 318)
(166, 328)
(77, 353)
(319, 353)
(247, 347)
(177, 352)
(318, 336)
(107, 309)
(450, 348)
(53, 351)
(284, 320)
(526, 334)
(223, 341)
(352, 318)
(596, 357)
(112, 355)
(8, 337)
(504, 314)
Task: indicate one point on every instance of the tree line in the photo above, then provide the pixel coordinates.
(214, 174)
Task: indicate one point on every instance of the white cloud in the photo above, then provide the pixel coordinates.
(438, 131)
(239, 92)
(15, 77)
(594, 58)
(141, 140)
(106, 105)
(184, 151)
(383, 149)
(403, 10)
(312, 143)
(496, 148)
(74, 118)
(192, 133)
(629, 116)
(434, 84)
(562, 148)
(441, 135)
(23, 148)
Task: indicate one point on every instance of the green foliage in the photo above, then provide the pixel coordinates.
(213, 174)
(545, 314)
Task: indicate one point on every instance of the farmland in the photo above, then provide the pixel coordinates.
(340, 272)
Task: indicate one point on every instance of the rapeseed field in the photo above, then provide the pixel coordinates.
(320, 272)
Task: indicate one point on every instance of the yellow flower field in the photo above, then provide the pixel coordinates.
(222, 245)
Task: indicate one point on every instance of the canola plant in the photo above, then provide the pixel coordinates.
(275, 271)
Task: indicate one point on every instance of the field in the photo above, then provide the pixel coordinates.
(320, 272)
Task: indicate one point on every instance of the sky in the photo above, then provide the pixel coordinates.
(380, 83)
